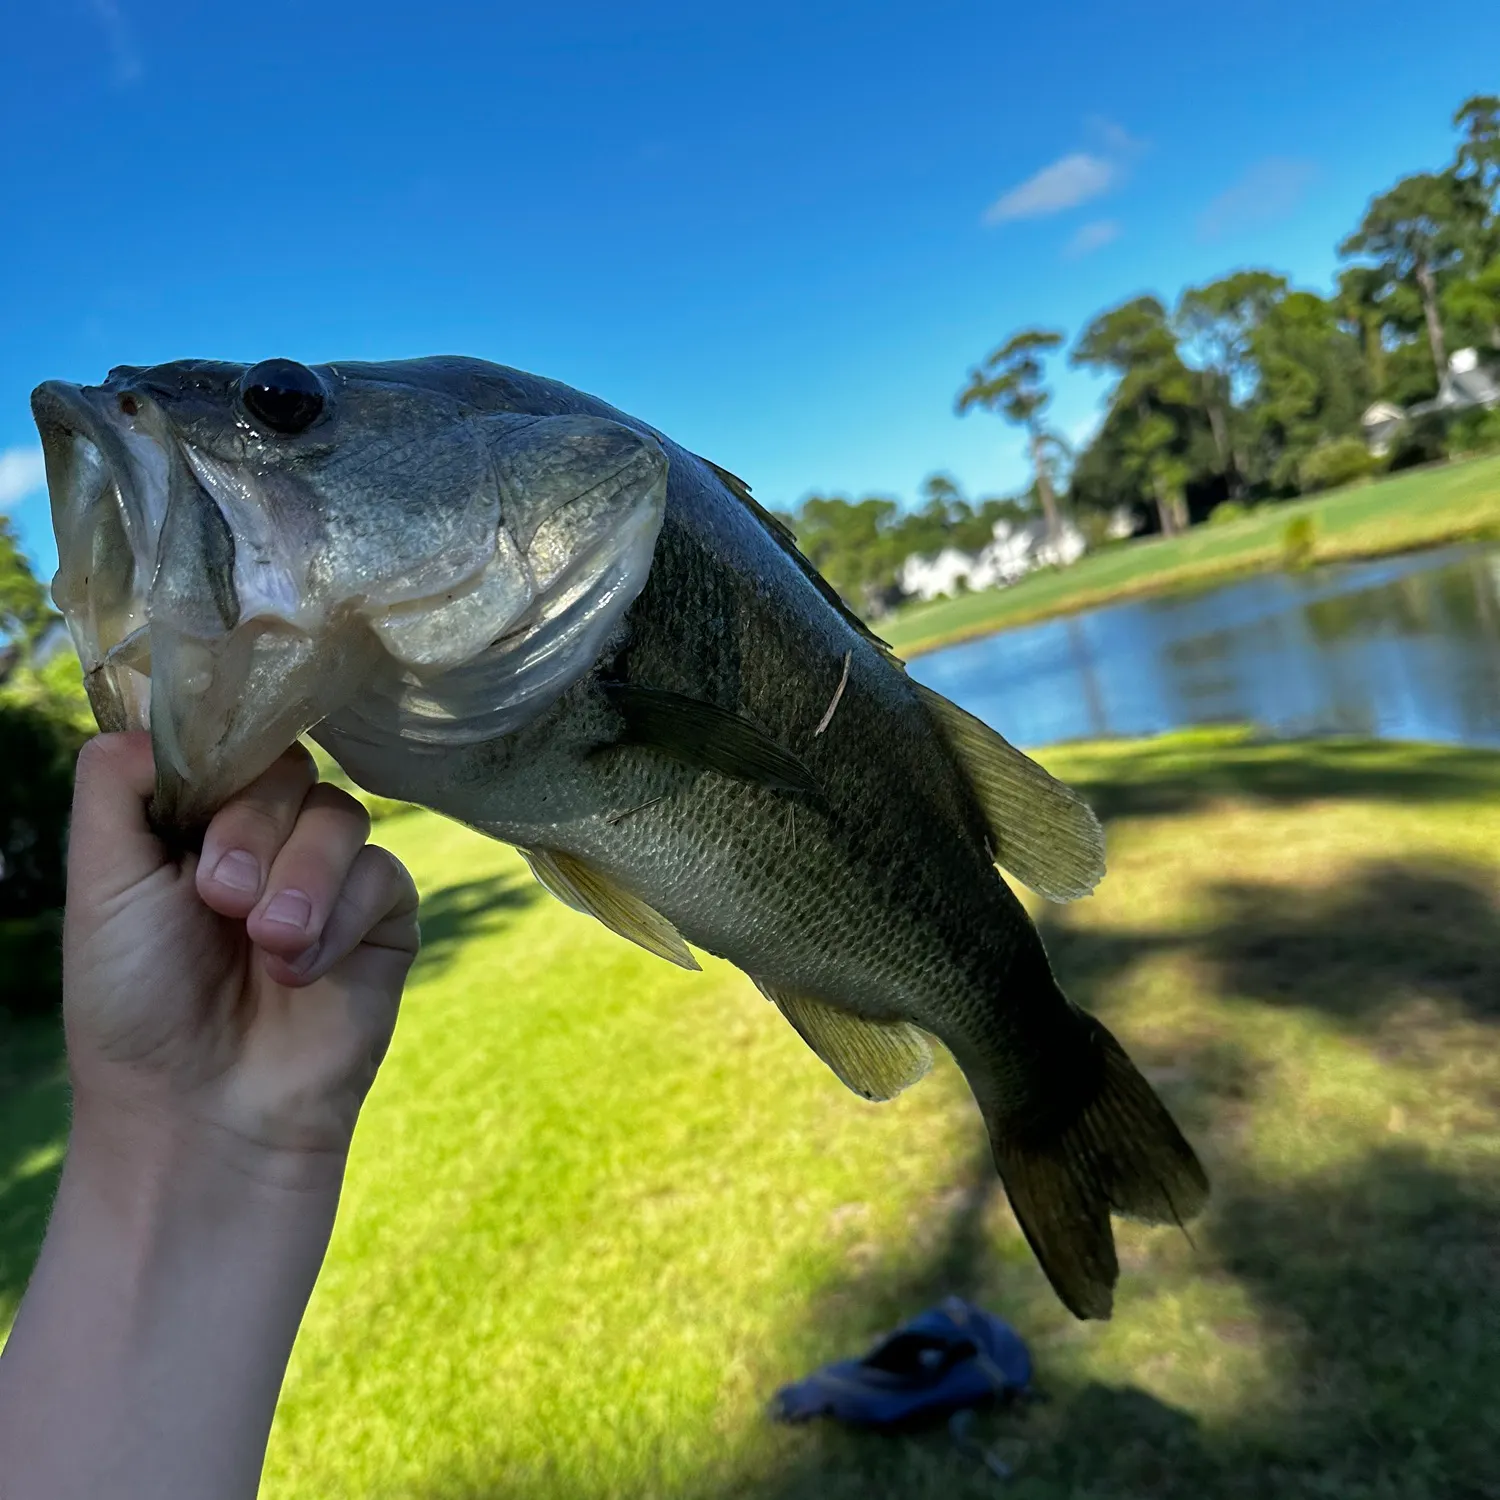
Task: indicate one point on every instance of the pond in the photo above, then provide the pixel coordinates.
(1402, 648)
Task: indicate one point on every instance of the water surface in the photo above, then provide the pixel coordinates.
(1402, 648)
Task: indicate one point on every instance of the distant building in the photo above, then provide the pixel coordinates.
(947, 574)
(1466, 384)
(1381, 423)
(1012, 552)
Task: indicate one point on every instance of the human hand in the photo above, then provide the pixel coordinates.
(243, 997)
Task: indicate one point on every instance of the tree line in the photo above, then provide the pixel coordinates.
(1249, 389)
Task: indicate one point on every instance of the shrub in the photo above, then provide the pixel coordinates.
(1474, 431)
(1419, 440)
(1340, 461)
(1298, 543)
(37, 750)
(38, 745)
(1227, 511)
(31, 964)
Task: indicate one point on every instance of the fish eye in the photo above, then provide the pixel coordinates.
(282, 395)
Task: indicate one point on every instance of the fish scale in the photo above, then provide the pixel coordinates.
(703, 743)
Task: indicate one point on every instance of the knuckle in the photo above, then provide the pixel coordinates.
(336, 800)
(392, 877)
(251, 821)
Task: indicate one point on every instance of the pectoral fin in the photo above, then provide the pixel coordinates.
(877, 1059)
(577, 884)
(1046, 835)
(708, 737)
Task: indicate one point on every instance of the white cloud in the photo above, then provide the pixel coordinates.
(1094, 235)
(1268, 191)
(21, 472)
(1118, 141)
(125, 59)
(1073, 179)
(1065, 184)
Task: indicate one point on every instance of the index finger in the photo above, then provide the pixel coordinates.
(110, 844)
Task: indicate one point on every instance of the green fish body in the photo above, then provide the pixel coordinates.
(731, 760)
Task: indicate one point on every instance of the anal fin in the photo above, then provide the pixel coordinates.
(876, 1059)
(578, 884)
(1046, 835)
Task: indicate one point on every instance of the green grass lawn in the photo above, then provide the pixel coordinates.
(1417, 508)
(600, 1208)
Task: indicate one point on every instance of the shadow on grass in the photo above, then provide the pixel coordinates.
(1378, 1315)
(1360, 950)
(471, 908)
(1376, 1312)
(34, 1103)
(1183, 773)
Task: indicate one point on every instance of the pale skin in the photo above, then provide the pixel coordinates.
(225, 1016)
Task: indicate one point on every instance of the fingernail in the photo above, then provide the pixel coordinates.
(291, 908)
(238, 870)
(308, 959)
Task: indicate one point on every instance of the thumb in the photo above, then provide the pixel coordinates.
(110, 843)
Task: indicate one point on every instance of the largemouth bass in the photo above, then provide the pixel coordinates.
(488, 593)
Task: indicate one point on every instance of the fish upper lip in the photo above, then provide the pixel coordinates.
(62, 410)
(133, 490)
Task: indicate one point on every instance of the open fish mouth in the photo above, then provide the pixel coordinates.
(183, 621)
(229, 598)
(109, 497)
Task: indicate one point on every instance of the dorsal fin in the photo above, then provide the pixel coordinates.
(1045, 834)
(784, 538)
(876, 1059)
(578, 884)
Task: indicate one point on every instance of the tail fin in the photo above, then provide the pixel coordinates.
(1121, 1152)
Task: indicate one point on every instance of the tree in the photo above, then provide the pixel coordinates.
(1312, 384)
(1362, 311)
(1472, 305)
(1414, 233)
(1136, 342)
(1215, 323)
(24, 611)
(1477, 164)
(1009, 382)
(948, 519)
(852, 546)
(1161, 471)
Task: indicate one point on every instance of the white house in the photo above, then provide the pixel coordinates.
(1380, 422)
(1011, 552)
(948, 573)
(1465, 384)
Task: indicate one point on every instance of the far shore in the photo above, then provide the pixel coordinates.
(1420, 508)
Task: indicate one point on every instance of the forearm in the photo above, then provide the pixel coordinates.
(148, 1353)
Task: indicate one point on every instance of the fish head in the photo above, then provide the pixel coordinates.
(247, 550)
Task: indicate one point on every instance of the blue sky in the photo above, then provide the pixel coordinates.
(781, 232)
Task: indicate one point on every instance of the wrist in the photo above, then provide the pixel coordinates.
(155, 1332)
(138, 1142)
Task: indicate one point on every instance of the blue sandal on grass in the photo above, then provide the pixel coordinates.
(945, 1360)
